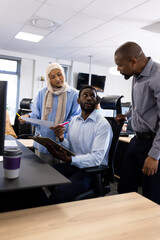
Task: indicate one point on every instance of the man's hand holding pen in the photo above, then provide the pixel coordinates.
(59, 131)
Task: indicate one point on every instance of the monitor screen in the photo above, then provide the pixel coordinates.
(125, 107)
(3, 97)
(83, 79)
(97, 81)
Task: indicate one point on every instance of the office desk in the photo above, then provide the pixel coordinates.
(26, 142)
(117, 217)
(33, 173)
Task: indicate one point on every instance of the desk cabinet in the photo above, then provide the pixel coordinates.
(34, 174)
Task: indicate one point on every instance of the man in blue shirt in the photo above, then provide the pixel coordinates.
(89, 137)
(143, 154)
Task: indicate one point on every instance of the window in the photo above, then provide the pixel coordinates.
(65, 67)
(10, 72)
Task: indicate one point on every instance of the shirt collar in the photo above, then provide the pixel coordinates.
(92, 116)
(146, 71)
(68, 89)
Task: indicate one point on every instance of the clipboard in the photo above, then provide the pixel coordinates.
(45, 140)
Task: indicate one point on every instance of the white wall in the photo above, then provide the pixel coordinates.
(26, 78)
(117, 85)
(33, 67)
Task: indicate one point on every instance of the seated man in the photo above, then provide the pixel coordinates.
(89, 137)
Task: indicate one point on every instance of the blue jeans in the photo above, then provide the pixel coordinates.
(132, 166)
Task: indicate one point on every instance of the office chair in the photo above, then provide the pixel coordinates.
(104, 175)
(23, 130)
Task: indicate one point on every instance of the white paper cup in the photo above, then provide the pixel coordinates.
(11, 162)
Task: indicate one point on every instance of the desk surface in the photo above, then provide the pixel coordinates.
(26, 142)
(33, 173)
(117, 217)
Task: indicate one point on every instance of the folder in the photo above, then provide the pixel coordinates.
(46, 140)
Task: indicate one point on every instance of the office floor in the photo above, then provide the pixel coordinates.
(114, 189)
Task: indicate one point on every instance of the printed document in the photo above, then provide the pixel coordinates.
(38, 121)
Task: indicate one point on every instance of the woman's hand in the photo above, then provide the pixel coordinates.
(21, 120)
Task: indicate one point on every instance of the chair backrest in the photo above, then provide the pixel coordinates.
(23, 130)
(112, 102)
(116, 133)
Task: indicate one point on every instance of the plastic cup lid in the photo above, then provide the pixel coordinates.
(12, 151)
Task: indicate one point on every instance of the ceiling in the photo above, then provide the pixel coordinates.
(84, 28)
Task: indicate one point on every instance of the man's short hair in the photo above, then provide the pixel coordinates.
(129, 50)
(87, 86)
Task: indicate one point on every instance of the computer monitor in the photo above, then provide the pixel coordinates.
(3, 99)
(97, 81)
(83, 79)
(125, 107)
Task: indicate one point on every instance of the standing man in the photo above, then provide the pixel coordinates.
(143, 154)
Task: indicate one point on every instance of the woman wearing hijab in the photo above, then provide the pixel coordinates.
(57, 103)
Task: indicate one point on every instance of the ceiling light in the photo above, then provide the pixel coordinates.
(44, 23)
(28, 37)
(113, 71)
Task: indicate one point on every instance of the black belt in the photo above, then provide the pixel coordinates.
(145, 134)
